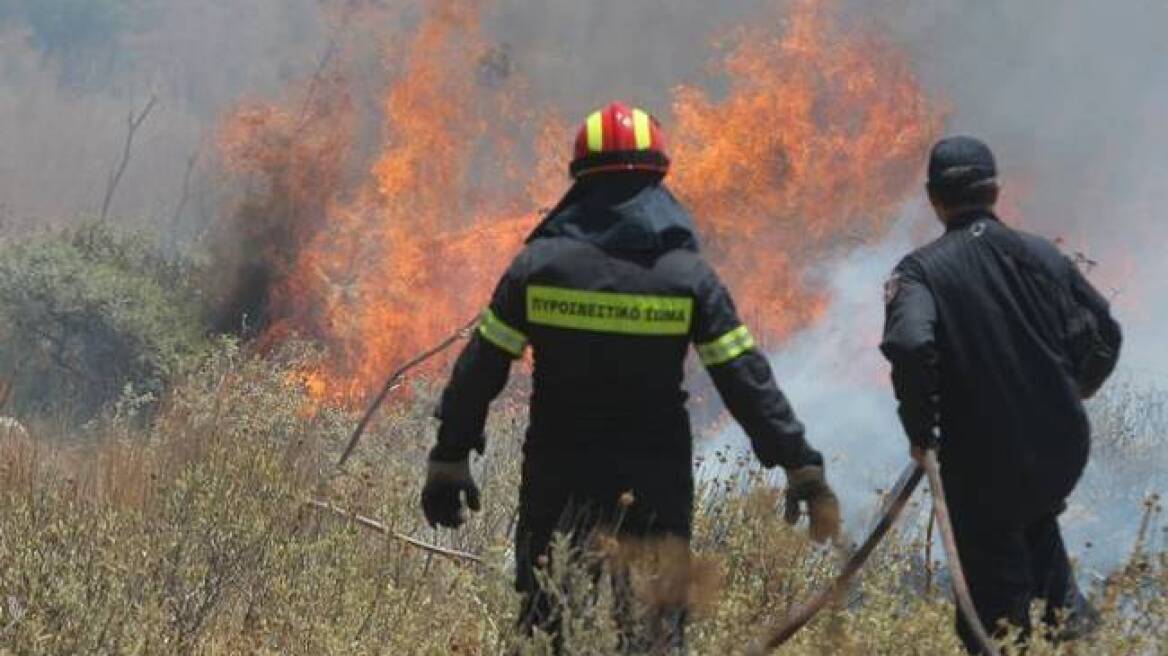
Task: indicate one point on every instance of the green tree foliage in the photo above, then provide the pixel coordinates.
(86, 313)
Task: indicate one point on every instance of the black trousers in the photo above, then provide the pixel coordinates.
(585, 492)
(1008, 566)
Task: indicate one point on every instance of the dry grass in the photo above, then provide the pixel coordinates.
(191, 536)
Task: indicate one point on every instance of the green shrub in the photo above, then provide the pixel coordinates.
(87, 316)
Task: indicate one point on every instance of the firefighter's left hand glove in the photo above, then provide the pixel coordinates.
(442, 497)
(809, 485)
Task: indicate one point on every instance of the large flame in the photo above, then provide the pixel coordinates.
(816, 144)
(816, 141)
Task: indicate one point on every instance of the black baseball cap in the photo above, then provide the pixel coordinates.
(959, 162)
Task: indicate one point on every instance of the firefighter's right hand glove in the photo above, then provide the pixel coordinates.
(809, 485)
(442, 497)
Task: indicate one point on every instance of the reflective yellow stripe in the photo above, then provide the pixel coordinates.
(727, 347)
(596, 132)
(500, 334)
(609, 312)
(641, 130)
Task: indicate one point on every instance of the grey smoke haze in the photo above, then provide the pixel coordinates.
(837, 379)
(63, 108)
(584, 54)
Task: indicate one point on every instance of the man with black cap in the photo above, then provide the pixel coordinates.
(995, 338)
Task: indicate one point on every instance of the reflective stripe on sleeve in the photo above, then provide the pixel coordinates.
(727, 347)
(500, 334)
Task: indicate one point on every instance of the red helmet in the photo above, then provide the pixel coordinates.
(619, 138)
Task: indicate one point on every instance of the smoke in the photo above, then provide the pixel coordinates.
(72, 71)
(584, 54)
(836, 378)
(1071, 96)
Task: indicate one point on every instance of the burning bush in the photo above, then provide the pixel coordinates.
(810, 150)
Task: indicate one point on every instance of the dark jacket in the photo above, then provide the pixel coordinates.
(610, 291)
(994, 338)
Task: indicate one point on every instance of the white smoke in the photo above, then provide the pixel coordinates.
(837, 380)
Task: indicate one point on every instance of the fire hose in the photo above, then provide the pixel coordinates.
(960, 586)
(897, 498)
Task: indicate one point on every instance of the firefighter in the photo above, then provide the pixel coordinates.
(609, 292)
(995, 338)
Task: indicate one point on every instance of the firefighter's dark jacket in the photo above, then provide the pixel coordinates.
(994, 338)
(610, 291)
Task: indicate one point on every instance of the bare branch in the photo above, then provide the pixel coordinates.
(185, 194)
(133, 123)
(392, 382)
(375, 525)
(5, 391)
(317, 77)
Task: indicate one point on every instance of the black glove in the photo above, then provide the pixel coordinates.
(446, 482)
(808, 484)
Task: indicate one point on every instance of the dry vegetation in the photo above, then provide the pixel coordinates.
(190, 535)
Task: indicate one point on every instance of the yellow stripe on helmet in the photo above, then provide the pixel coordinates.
(642, 130)
(596, 132)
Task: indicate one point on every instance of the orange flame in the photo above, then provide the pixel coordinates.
(817, 141)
